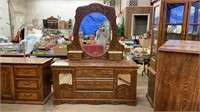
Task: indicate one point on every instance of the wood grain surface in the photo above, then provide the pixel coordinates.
(177, 80)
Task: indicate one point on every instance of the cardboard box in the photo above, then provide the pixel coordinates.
(61, 24)
(60, 50)
(145, 42)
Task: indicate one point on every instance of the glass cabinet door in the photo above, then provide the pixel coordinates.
(174, 25)
(155, 30)
(194, 21)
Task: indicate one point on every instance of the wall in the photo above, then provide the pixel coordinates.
(124, 4)
(117, 5)
(17, 14)
(1, 26)
(41, 9)
(24, 11)
(4, 19)
(144, 2)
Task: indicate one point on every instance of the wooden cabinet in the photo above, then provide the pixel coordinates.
(181, 20)
(94, 82)
(7, 83)
(25, 80)
(156, 30)
(177, 79)
(173, 20)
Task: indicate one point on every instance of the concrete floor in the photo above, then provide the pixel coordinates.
(142, 103)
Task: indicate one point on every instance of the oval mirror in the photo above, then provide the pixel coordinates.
(95, 34)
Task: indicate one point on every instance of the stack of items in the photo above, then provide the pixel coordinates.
(44, 46)
(41, 48)
(138, 55)
(56, 23)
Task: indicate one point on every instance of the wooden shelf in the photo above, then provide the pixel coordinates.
(194, 23)
(174, 23)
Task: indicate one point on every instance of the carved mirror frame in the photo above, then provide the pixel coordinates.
(115, 51)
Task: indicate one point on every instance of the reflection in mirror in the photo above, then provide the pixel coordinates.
(95, 34)
(124, 79)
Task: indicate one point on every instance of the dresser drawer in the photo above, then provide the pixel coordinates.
(27, 83)
(94, 95)
(95, 72)
(26, 71)
(22, 95)
(94, 85)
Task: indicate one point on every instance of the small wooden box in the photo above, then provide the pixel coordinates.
(127, 49)
(74, 55)
(115, 55)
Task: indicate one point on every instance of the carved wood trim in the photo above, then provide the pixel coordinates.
(83, 11)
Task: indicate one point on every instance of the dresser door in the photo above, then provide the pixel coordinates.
(7, 83)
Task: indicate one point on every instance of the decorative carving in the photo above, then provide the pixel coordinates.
(65, 78)
(109, 12)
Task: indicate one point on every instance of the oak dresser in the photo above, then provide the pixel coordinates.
(25, 80)
(94, 82)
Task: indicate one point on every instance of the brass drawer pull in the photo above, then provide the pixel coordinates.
(26, 72)
(104, 72)
(93, 83)
(85, 95)
(103, 95)
(27, 83)
(27, 95)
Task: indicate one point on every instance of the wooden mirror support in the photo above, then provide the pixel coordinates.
(115, 51)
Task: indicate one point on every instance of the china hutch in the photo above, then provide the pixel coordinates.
(95, 79)
(173, 20)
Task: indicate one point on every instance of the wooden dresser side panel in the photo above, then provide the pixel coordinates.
(46, 79)
(177, 82)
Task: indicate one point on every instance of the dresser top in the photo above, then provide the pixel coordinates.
(184, 46)
(95, 63)
(20, 60)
